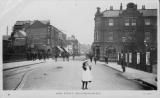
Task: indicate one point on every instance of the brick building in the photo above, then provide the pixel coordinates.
(41, 35)
(129, 32)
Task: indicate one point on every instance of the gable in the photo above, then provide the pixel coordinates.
(37, 24)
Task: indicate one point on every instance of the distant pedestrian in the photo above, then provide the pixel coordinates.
(67, 56)
(63, 56)
(91, 58)
(73, 56)
(123, 64)
(56, 56)
(95, 59)
(106, 59)
(86, 75)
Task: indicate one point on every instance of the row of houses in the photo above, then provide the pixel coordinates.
(38, 35)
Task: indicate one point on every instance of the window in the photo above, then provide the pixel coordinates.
(126, 22)
(133, 22)
(97, 36)
(106, 22)
(110, 36)
(147, 36)
(147, 21)
(111, 22)
(130, 57)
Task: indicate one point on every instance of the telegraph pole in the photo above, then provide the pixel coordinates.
(7, 30)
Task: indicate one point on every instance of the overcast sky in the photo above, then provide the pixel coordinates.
(73, 17)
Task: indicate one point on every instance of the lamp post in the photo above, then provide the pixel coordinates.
(148, 56)
(125, 50)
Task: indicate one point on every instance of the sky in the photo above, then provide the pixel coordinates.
(73, 17)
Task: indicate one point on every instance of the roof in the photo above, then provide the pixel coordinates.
(45, 21)
(20, 33)
(148, 12)
(6, 37)
(115, 13)
(23, 22)
(111, 13)
(31, 22)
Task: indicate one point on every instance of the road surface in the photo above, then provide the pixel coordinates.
(60, 75)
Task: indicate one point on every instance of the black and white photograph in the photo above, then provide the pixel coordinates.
(79, 47)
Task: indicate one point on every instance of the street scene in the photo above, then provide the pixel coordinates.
(64, 75)
(58, 45)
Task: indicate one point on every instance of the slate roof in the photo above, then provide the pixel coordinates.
(6, 37)
(23, 22)
(148, 12)
(115, 13)
(111, 13)
(31, 22)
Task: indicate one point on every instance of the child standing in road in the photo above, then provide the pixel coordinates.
(86, 75)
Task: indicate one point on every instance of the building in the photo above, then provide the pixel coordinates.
(6, 48)
(129, 33)
(41, 35)
(73, 45)
(85, 49)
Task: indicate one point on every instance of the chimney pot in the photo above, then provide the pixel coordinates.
(121, 7)
(111, 7)
(143, 7)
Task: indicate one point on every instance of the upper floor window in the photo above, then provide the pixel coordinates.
(147, 21)
(111, 22)
(147, 36)
(110, 36)
(133, 22)
(126, 22)
(96, 36)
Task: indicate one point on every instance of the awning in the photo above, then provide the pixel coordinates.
(60, 48)
(66, 49)
(20, 34)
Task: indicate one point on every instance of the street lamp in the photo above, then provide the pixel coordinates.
(148, 55)
(123, 40)
(125, 49)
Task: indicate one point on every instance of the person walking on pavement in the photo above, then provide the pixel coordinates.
(86, 75)
(56, 56)
(106, 59)
(95, 59)
(123, 64)
(73, 56)
(90, 56)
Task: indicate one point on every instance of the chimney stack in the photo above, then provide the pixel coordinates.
(121, 7)
(111, 7)
(98, 11)
(143, 7)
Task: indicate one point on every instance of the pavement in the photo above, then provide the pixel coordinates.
(11, 65)
(134, 74)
